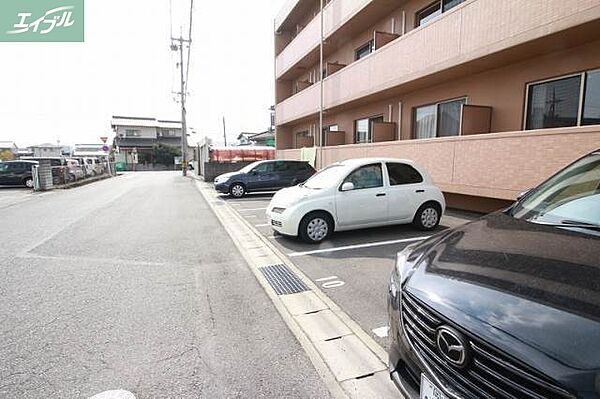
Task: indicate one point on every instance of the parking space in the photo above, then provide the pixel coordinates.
(352, 267)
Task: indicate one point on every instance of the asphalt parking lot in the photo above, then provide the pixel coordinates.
(10, 195)
(352, 267)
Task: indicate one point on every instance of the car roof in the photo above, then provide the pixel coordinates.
(365, 161)
(19, 160)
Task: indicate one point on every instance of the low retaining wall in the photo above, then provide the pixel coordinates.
(496, 165)
(214, 169)
(130, 167)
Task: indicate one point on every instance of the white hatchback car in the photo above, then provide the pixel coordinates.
(356, 194)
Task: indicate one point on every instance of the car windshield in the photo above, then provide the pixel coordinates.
(572, 197)
(3, 167)
(327, 177)
(249, 167)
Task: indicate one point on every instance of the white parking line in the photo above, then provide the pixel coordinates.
(246, 203)
(251, 209)
(381, 332)
(347, 247)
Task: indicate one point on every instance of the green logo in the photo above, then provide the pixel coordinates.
(42, 21)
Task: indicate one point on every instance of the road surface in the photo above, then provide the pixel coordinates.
(131, 283)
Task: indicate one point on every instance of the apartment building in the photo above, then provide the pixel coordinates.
(490, 96)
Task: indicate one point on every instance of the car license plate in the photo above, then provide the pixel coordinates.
(430, 391)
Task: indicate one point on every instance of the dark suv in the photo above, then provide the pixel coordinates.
(507, 306)
(16, 173)
(264, 176)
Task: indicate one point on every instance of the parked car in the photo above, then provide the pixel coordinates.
(356, 194)
(263, 176)
(16, 173)
(75, 169)
(93, 166)
(507, 306)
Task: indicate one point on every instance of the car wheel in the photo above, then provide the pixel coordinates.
(428, 216)
(237, 190)
(315, 227)
(28, 182)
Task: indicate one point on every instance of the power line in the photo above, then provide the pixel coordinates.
(171, 17)
(187, 72)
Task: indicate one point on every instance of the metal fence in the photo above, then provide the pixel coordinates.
(68, 174)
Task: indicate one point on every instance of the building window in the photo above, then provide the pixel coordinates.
(364, 50)
(438, 120)
(564, 102)
(132, 133)
(300, 136)
(591, 101)
(434, 10)
(363, 129)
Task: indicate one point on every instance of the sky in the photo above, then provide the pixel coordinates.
(68, 92)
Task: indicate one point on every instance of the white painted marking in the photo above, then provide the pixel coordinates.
(326, 278)
(357, 246)
(381, 332)
(114, 394)
(251, 209)
(333, 284)
(262, 225)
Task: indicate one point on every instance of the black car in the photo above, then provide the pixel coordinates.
(264, 176)
(507, 306)
(16, 173)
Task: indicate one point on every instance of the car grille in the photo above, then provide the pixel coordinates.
(276, 223)
(490, 374)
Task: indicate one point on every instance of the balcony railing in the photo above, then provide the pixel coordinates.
(335, 14)
(465, 33)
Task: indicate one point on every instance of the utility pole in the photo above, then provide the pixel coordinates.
(224, 132)
(321, 100)
(179, 47)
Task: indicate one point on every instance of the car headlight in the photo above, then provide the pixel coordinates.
(277, 210)
(402, 270)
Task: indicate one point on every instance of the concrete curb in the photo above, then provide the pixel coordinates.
(348, 360)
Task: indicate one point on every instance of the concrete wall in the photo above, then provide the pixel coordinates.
(214, 169)
(499, 165)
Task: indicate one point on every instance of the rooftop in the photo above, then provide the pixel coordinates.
(135, 121)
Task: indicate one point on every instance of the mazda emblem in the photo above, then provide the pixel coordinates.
(453, 346)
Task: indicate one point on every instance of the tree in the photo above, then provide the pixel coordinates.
(165, 154)
(7, 155)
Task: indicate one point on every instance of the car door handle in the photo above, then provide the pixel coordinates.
(420, 191)
(380, 195)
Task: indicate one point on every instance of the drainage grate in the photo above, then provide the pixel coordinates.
(283, 281)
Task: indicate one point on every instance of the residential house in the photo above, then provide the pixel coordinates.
(135, 137)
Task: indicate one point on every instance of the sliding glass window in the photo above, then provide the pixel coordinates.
(363, 129)
(564, 102)
(434, 10)
(438, 120)
(591, 101)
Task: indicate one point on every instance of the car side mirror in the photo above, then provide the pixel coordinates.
(348, 186)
